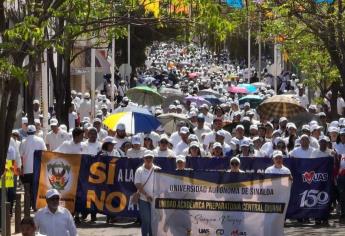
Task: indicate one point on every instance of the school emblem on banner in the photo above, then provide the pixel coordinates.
(61, 172)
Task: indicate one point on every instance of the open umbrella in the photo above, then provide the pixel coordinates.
(250, 88)
(193, 75)
(234, 89)
(144, 95)
(259, 84)
(254, 100)
(209, 92)
(198, 100)
(280, 105)
(169, 121)
(212, 99)
(134, 122)
(132, 108)
(170, 95)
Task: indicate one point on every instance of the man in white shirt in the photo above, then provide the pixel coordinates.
(72, 117)
(36, 108)
(73, 146)
(278, 167)
(201, 130)
(54, 220)
(91, 146)
(56, 136)
(304, 151)
(27, 149)
(323, 150)
(175, 137)
(211, 136)
(162, 150)
(85, 106)
(204, 109)
(340, 105)
(120, 136)
(102, 133)
(183, 144)
(302, 98)
(136, 151)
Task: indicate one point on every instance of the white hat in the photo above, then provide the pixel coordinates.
(315, 127)
(304, 136)
(306, 127)
(277, 153)
(36, 102)
(235, 159)
(245, 143)
(37, 121)
(148, 153)
(184, 130)
(109, 139)
(221, 133)
(164, 137)
(104, 106)
(172, 106)
(97, 120)
(121, 126)
(253, 127)
(246, 104)
(333, 129)
(291, 125)
(334, 123)
(239, 127)
(194, 144)
(324, 137)
(180, 158)
(342, 131)
(25, 120)
(136, 140)
(313, 122)
(51, 193)
(282, 119)
(86, 95)
(73, 92)
(86, 119)
(31, 129)
(54, 122)
(276, 132)
(216, 144)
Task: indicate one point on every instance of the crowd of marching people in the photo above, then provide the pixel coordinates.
(226, 129)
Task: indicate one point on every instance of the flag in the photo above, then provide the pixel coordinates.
(235, 3)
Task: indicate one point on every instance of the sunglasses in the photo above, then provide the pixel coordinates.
(234, 163)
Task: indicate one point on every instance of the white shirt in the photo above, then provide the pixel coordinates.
(72, 116)
(201, 132)
(340, 105)
(175, 138)
(54, 140)
(318, 153)
(91, 148)
(60, 223)
(304, 101)
(301, 153)
(211, 137)
(274, 170)
(120, 141)
(180, 147)
(70, 147)
(133, 153)
(167, 153)
(27, 149)
(85, 109)
(102, 134)
(340, 148)
(13, 152)
(141, 176)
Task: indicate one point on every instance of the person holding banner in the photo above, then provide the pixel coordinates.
(278, 167)
(235, 165)
(143, 181)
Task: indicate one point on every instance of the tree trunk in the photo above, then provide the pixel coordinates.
(67, 81)
(31, 88)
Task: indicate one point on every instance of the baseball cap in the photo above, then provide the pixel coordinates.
(342, 131)
(184, 130)
(216, 144)
(269, 124)
(245, 143)
(306, 127)
(324, 137)
(304, 136)
(136, 140)
(73, 92)
(315, 127)
(253, 127)
(334, 123)
(31, 129)
(36, 102)
(104, 107)
(180, 158)
(276, 132)
(172, 106)
(277, 153)
(282, 119)
(121, 126)
(148, 153)
(321, 114)
(239, 127)
(97, 120)
(54, 122)
(201, 117)
(109, 139)
(333, 129)
(51, 193)
(25, 120)
(235, 159)
(220, 133)
(86, 95)
(86, 119)
(164, 137)
(194, 144)
(291, 125)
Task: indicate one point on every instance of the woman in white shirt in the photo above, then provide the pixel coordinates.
(340, 146)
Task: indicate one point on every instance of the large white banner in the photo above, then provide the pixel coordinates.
(218, 203)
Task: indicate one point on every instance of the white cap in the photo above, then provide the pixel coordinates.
(172, 106)
(342, 131)
(276, 132)
(25, 120)
(194, 144)
(304, 136)
(239, 127)
(109, 139)
(36, 102)
(246, 104)
(51, 193)
(277, 153)
(86, 119)
(282, 119)
(136, 140)
(97, 120)
(325, 138)
(180, 158)
(245, 143)
(305, 127)
(148, 153)
(334, 123)
(291, 125)
(221, 133)
(333, 129)
(315, 127)
(37, 121)
(86, 95)
(53, 122)
(121, 126)
(164, 137)
(235, 159)
(253, 127)
(184, 130)
(31, 129)
(216, 144)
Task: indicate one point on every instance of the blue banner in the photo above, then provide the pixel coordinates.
(235, 3)
(105, 184)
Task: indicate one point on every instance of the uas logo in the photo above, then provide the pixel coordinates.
(58, 174)
(311, 176)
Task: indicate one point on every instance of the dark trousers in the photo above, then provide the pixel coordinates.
(341, 192)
